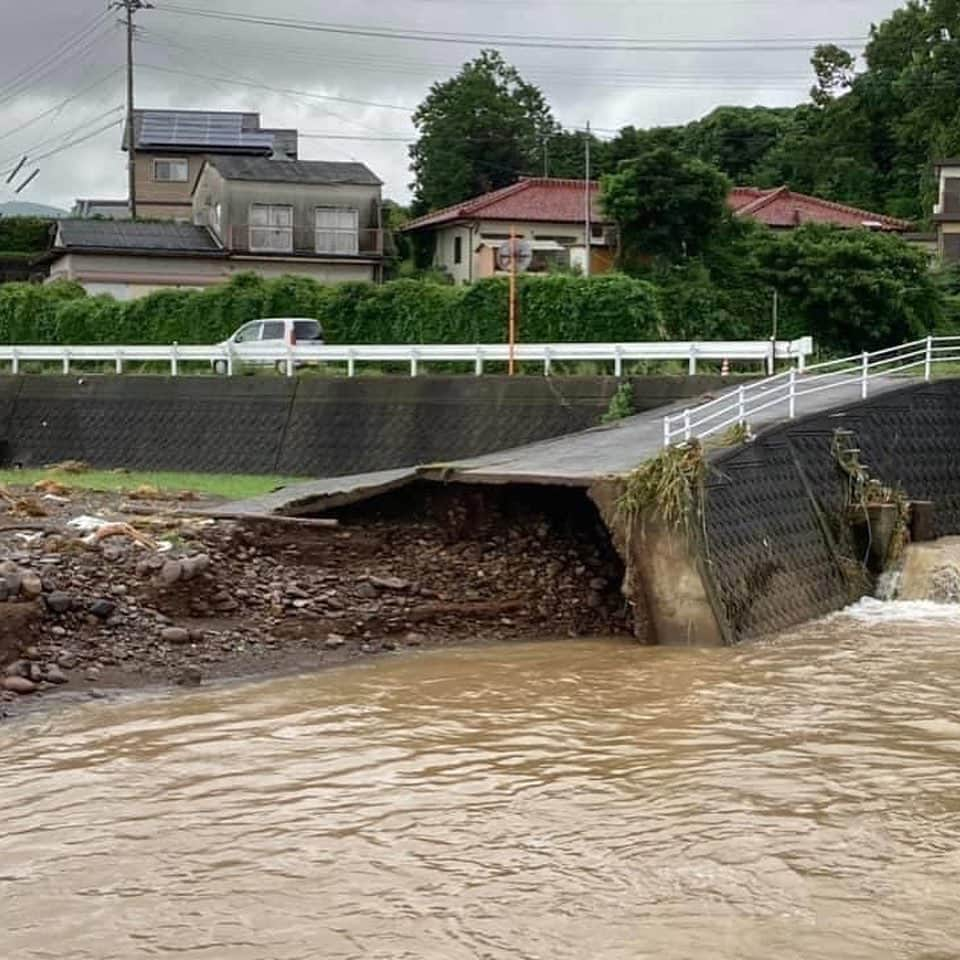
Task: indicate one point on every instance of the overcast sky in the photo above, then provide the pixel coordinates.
(57, 49)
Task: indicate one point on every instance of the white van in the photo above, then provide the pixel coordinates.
(248, 341)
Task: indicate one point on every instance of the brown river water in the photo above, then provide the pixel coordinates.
(794, 798)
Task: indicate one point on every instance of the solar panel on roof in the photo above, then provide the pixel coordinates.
(200, 130)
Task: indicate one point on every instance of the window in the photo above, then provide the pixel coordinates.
(248, 333)
(951, 247)
(171, 171)
(271, 227)
(272, 330)
(307, 330)
(216, 218)
(458, 249)
(337, 230)
(951, 195)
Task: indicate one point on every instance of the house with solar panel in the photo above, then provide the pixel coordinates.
(170, 147)
(218, 198)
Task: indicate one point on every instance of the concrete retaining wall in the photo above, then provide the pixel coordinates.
(772, 509)
(301, 426)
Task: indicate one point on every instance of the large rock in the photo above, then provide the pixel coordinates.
(67, 659)
(54, 674)
(177, 635)
(31, 585)
(19, 668)
(171, 572)
(19, 685)
(58, 601)
(102, 608)
(390, 583)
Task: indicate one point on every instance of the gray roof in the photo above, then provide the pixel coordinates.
(293, 171)
(130, 235)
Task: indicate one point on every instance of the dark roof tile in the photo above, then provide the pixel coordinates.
(292, 171)
(134, 235)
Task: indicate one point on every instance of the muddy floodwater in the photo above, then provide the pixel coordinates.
(793, 799)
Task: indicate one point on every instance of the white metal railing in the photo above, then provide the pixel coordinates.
(226, 357)
(785, 389)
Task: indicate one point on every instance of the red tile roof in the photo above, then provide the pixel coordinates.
(561, 201)
(782, 207)
(529, 199)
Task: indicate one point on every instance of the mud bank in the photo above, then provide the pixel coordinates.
(179, 599)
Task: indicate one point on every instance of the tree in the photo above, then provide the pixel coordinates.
(479, 131)
(853, 290)
(736, 139)
(665, 205)
(834, 69)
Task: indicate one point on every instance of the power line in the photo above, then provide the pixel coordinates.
(44, 68)
(422, 68)
(61, 105)
(76, 36)
(72, 143)
(285, 90)
(79, 128)
(515, 40)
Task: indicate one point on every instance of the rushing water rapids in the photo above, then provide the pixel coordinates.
(799, 798)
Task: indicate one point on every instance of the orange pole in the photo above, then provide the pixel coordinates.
(513, 298)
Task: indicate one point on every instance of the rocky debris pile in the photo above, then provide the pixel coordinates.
(182, 599)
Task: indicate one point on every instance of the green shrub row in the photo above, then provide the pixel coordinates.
(24, 235)
(552, 309)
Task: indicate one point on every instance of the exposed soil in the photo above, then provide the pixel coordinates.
(426, 566)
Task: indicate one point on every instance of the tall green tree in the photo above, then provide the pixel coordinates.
(665, 204)
(479, 131)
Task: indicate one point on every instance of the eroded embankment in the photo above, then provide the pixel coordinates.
(427, 565)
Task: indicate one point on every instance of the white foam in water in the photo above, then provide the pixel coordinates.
(871, 610)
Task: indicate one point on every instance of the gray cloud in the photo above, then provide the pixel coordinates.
(190, 62)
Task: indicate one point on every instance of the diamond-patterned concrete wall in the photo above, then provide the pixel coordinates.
(305, 426)
(774, 543)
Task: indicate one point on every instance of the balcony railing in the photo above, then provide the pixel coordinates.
(320, 241)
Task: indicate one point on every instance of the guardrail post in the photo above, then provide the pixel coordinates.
(229, 363)
(792, 397)
(928, 360)
(686, 424)
(66, 361)
(864, 374)
(666, 431)
(478, 363)
(617, 362)
(772, 358)
(289, 361)
(15, 361)
(118, 361)
(413, 363)
(546, 361)
(351, 364)
(692, 363)
(174, 365)
(741, 406)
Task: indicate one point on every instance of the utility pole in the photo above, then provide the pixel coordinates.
(587, 212)
(130, 7)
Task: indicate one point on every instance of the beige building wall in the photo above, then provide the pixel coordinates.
(479, 240)
(162, 200)
(128, 277)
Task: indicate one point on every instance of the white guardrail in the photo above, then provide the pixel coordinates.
(288, 358)
(784, 389)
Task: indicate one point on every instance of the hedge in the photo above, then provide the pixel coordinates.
(552, 308)
(24, 235)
